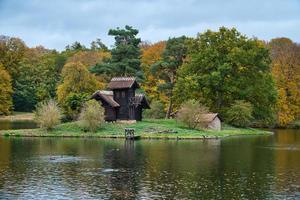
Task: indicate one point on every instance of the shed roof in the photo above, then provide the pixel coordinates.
(122, 83)
(209, 117)
(140, 99)
(106, 96)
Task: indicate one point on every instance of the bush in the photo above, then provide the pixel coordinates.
(190, 114)
(156, 111)
(239, 114)
(48, 114)
(73, 105)
(91, 116)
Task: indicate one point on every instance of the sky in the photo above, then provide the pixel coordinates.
(57, 23)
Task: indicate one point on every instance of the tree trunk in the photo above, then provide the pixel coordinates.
(169, 109)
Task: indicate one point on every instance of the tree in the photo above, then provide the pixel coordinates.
(76, 79)
(125, 56)
(11, 53)
(239, 114)
(225, 66)
(156, 111)
(76, 46)
(37, 78)
(98, 45)
(286, 72)
(5, 92)
(152, 53)
(166, 69)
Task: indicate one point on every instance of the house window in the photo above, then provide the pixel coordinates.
(117, 94)
(123, 94)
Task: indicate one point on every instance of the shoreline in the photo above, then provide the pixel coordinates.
(25, 133)
(165, 129)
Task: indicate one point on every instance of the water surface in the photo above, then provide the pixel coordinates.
(10, 125)
(249, 167)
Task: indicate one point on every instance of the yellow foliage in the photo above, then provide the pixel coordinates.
(286, 73)
(76, 79)
(5, 91)
(150, 55)
(89, 58)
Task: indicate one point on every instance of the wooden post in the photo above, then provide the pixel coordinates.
(129, 134)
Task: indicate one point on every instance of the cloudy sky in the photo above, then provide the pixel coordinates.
(56, 23)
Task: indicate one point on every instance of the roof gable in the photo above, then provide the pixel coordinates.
(106, 96)
(209, 117)
(122, 83)
(140, 99)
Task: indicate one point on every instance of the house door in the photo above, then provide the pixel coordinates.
(132, 112)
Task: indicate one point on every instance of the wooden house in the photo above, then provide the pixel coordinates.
(121, 102)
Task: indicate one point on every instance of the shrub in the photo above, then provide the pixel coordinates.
(91, 116)
(156, 111)
(73, 105)
(190, 114)
(48, 114)
(239, 114)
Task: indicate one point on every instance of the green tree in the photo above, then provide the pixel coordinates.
(5, 92)
(225, 66)
(156, 111)
(98, 45)
(76, 46)
(37, 78)
(125, 56)
(239, 114)
(76, 79)
(166, 69)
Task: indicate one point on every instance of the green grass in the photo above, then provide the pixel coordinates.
(152, 129)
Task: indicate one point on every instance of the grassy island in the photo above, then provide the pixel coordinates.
(147, 129)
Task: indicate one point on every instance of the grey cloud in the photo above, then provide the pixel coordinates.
(57, 23)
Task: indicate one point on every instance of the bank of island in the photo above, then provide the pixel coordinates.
(146, 129)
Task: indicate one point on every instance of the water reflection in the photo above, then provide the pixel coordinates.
(232, 168)
(9, 125)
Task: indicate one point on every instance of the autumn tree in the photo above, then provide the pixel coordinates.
(125, 56)
(225, 66)
(286, 72)
(5, 91)
(166, 68)
(76, 80)
(152, 53)
(11, 53)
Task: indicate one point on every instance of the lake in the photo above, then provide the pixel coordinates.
(8, 125)
(248, 167)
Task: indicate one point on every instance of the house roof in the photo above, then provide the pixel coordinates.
(106, 96)
(209, 117)
(140, 99)
(122, 83)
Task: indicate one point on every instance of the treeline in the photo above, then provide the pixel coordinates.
(218, 69)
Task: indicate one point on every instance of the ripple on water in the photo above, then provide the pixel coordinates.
(63, 159)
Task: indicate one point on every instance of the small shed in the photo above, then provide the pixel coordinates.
(211, 121)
